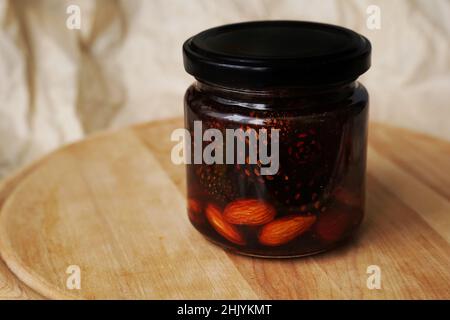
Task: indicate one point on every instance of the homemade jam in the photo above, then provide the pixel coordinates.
(288, 88)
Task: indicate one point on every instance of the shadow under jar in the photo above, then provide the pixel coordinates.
(282, 173)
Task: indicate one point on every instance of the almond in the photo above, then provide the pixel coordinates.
(346, 197)
(334, 223)
(249, 212)
(227, 230)
(283, 230)
(194, 209)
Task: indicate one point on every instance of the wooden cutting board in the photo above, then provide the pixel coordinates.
(113, 205)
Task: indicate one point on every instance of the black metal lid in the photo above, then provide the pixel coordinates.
(276, 53)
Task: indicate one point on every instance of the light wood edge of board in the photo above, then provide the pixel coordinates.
(20, 278)
(7, 187)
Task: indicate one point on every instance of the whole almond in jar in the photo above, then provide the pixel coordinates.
(250, 212)
(273, 119)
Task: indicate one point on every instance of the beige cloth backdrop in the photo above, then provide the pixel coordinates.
(125, 64)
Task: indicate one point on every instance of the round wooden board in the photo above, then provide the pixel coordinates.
(10, 287)
(114, 206)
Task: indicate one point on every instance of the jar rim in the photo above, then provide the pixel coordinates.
(260, 54)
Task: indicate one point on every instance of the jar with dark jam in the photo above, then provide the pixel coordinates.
(278, 127)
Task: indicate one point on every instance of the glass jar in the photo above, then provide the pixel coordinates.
(278, 127)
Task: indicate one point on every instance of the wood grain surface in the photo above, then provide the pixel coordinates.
(114, 205)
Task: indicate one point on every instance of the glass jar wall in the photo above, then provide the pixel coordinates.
(316, 197)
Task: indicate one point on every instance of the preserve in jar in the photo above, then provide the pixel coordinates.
(278, 134)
